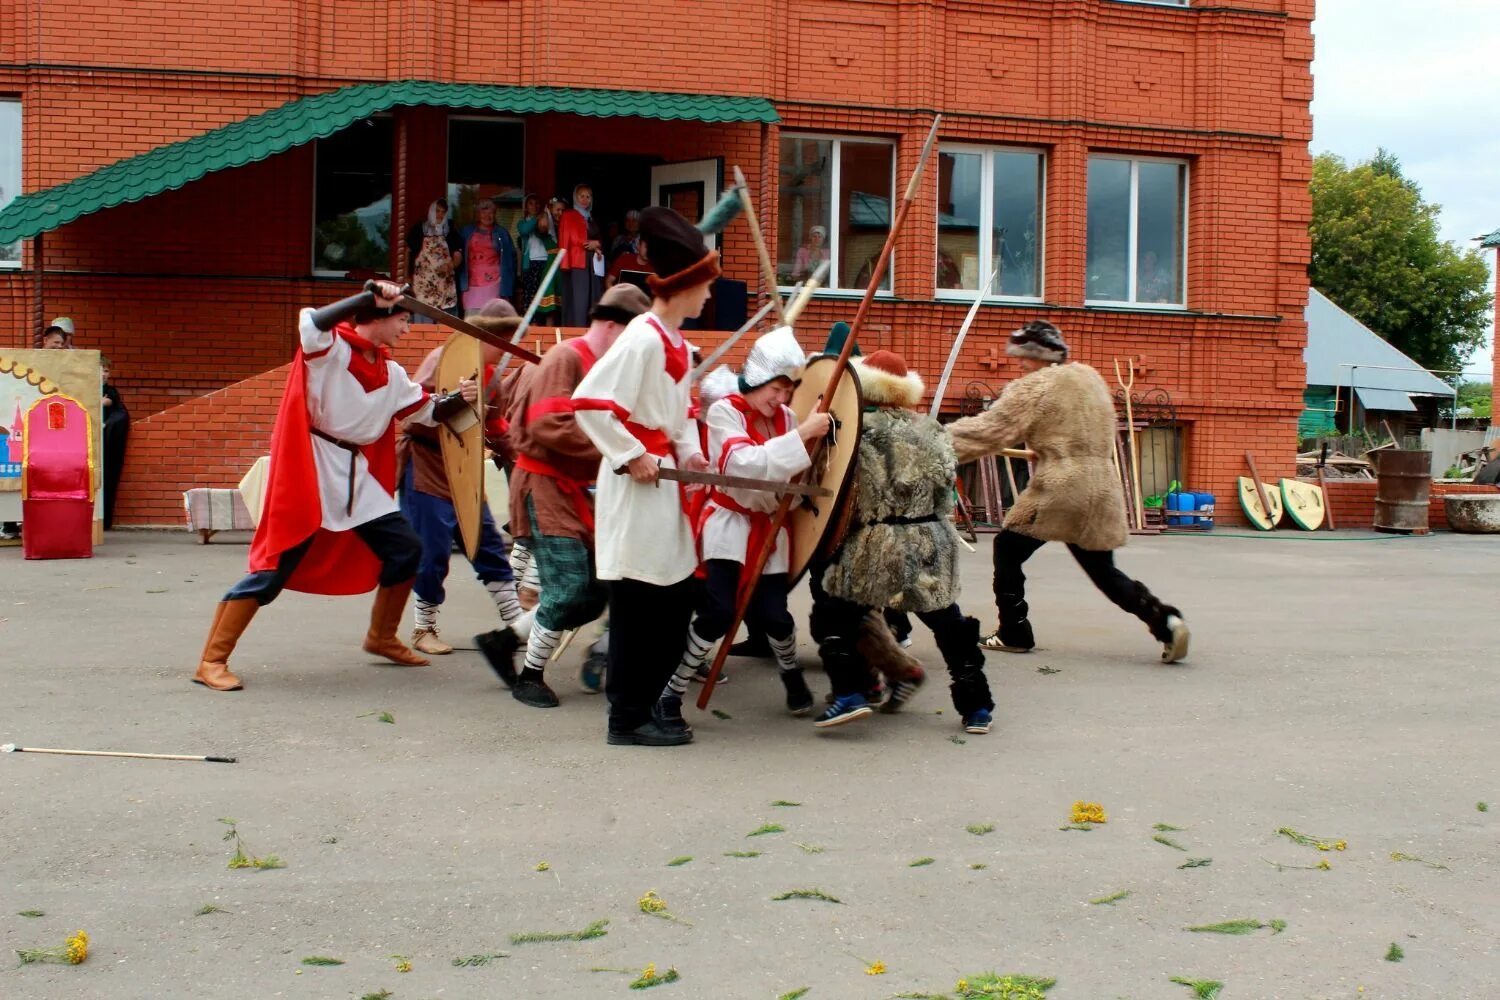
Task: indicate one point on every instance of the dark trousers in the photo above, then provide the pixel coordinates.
(1012, 549)
(647, 634)
(766, 614)
(581, 288)
(436, 524)
(389, 536)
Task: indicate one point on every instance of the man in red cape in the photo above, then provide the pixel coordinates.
(330, 523)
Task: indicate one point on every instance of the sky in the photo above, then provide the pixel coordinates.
(1418, 77)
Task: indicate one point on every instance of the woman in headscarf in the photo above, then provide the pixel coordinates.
(537, 244)
(433, 249)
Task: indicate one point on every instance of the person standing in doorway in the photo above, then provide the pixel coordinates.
(537, 243)
(579, 238)
(487, 268)
(433, 255)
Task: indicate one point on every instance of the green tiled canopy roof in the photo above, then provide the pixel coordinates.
(1492, 240)
(252, 139)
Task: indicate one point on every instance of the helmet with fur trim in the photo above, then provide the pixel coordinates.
(885, 380)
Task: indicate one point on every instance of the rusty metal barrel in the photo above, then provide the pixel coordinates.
(1403, 488)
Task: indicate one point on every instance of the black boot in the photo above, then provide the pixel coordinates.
(499, 648)
(1165, 622)
(1014, 633)
(754, 645)
(965, 661)
(668, 714)
(648, 734)
(531, 689)
(799, 700)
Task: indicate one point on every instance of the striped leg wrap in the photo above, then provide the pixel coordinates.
(692, 661)
(540, 646)
(785, 650)
(426, 615)
(503, 593)
(521, 559)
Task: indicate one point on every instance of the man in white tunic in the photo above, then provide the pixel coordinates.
(633, 404)
(330, 523)
(752, 433)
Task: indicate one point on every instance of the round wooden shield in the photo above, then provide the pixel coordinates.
(462, 439)
(817, 525)
(1303, 503)
(1250, 504)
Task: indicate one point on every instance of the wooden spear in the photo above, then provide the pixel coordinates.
(753, 570)
(767, 271)
(12, 748)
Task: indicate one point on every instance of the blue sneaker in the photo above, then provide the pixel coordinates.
(843, 710)
(591, 674)
(978, 722)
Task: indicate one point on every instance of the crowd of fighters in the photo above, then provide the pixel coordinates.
(587, 432)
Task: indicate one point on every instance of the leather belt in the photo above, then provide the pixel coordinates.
(353, 450)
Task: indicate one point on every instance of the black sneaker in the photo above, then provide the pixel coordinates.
(499, 648)
(668, 714)
(756, 647)
(648, 734)
(799, 700)
(903, 691)
(533, 691)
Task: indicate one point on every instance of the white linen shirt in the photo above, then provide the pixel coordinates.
(726, 533)
(338, 405)
(642, 531)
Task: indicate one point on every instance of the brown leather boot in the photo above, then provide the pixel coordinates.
(230, 621)
(385, 619)
(425, 640)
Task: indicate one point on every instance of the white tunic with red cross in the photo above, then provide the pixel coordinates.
(635, 401)
(736, 522)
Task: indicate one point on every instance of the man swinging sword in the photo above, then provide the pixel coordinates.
(330, 523)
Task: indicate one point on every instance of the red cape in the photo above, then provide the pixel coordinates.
(338, 562)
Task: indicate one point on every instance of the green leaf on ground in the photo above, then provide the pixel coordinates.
(1048, 670)
(720, 715)
(784, 802)
(650, 977)
(31, 913)
(1166, 828)
(473, 961)
(978, 866)
(1483, 807)
(206, 909)
(766, 828)
(1394, 953)
(980, 829)
(741, 854)
(679, 862)
(1111, 899)
(805, 894)
(1196, 863)
(593, 930)
(921, 862)
(322, 960)
(1203, 989)
(1168, 842)
(810, 848)
(796, 994)
(1242, 926)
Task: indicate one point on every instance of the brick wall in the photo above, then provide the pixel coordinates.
(195, 290)
(1353, 502)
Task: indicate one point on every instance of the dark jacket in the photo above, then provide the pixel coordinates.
(503, 246)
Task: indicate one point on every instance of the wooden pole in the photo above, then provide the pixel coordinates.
(767, 270)
(12, 748)
(753, 570)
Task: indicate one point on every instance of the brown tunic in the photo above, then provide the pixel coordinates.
(543, 430)
(418, 443)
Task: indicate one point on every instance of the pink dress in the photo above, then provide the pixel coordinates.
(484, 269)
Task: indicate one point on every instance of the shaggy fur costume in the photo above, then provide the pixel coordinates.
(878, 648)
(1066, 415)
(905, 474)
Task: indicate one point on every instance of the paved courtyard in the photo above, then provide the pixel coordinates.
(1341, 685)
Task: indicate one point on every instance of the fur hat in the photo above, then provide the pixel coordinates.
(1040, 341)
(676, 251)
(714, 386)
(885, 380)
(775, 355)
(621, 304)
(837, 334)
(496, 316)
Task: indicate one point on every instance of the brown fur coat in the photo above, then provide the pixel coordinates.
(1066, 415)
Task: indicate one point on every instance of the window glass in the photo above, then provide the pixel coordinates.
(486, 160)
(864, 212)
(806, 200)
(1108, 258)
(1016, 232)
(960, 216)
(352, 200)
(1158, 275)
(10, 170)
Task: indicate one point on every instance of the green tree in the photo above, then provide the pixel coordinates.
(1377, 254)
(1476, 396)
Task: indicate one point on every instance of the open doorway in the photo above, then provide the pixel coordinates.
(621, 182)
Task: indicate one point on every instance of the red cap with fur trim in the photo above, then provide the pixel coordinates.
(885, 380)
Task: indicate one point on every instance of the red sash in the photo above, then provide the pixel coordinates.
(760, 523)
(570, 487)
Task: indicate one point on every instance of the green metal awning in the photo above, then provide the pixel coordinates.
(252, 139)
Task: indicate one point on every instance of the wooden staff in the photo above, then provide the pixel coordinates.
(1135, 458)
(767, 271)
(12, 748)
(752, 570)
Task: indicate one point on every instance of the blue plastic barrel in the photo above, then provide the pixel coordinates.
(1203, 504)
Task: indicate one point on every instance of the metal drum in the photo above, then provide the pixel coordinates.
(1402, 491)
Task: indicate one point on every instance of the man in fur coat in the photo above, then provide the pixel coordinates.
(1063, 411)
(901, 551)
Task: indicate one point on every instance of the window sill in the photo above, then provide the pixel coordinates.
(838, 293)
(966, 296)
(1167, 307)
(10, 265)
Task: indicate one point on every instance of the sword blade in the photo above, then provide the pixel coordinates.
(536, 300)
(739, 482)
(442, 318)
(958, 343)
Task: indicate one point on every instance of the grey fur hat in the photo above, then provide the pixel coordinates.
(1040, 341)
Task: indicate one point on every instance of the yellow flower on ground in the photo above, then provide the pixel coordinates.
(1340, 845)
(1088, 812)
(543, 866)
(649, 972)
(78, 948)
(878, 969)
(1325, 866)
(651, 902)
(962, 987)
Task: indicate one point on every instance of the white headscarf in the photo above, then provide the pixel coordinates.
(432, 227)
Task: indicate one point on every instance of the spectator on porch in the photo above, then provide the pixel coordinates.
(579, 239)
(116, 434)
(535, 239)
(487, 269)
(433, 255)
(632, 257)
(58, 336)
(630, 234)
(810, 254)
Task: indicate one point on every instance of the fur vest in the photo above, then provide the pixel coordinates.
(901, 550)
(1065, 414)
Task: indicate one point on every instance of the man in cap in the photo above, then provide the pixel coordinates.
(751, 433)
(330, 524)
(550, 507)
(427, 502)
(633, 404)
(1063, 411)
(901, 552)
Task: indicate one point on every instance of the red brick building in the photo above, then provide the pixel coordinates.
(1135, 172)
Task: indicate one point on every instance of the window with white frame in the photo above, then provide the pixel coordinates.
(352, 198)
(10, 170)
(989, 219)
(835, 205)
(1137, 231)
